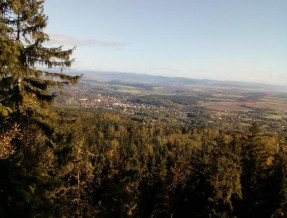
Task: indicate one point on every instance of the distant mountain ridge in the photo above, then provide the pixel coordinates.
(128, 78)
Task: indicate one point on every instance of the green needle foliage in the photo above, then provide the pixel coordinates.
(82, 163)
(28, 153)
(24, 87)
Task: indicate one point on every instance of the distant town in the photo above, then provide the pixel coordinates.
(200, 107)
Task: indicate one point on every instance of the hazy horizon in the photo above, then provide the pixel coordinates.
(211, 39)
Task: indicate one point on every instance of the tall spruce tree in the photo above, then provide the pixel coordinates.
(31, 186)
(25, 89)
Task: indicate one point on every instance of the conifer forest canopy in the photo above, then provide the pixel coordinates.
(58, 160)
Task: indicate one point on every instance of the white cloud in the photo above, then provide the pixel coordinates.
(274, 75)
(72, 41)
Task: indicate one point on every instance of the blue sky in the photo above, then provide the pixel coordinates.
(238, 40)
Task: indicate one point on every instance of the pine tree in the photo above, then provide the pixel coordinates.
(25, 88)
(279, 184)
(255, 178)
(26, 94)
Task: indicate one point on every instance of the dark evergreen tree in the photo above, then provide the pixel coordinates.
(255, 179)
(279, 185)
(26, 94)
(25, 89)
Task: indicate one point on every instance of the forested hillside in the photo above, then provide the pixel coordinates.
(60, 162)
(103, 165)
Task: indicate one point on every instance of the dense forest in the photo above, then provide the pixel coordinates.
(59, 162)
(99, 164)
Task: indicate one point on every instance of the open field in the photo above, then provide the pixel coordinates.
(276, 106)
(226, 106)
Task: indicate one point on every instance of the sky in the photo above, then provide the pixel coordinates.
(233, 40)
